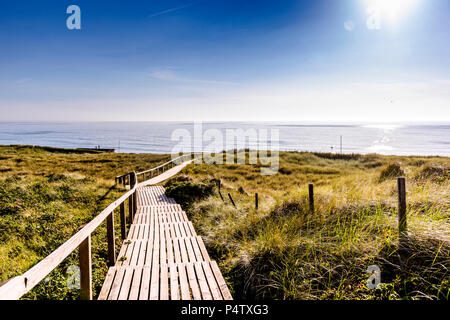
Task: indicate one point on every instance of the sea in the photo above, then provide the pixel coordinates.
(166, 137)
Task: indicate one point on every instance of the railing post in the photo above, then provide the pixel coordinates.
(231, 199)
(311, 197)
(85, 269)
(123, 228)
(402, 224)
(111, 239)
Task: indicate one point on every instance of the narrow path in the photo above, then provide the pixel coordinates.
(162, 257)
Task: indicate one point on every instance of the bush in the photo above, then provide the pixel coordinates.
(185, 192)
(393, 170)
(434, 172)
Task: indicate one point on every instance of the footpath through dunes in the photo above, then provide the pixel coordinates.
(162, 257)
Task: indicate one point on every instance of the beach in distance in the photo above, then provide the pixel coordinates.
(430, 139)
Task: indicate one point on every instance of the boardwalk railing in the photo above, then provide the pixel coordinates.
(16, 287)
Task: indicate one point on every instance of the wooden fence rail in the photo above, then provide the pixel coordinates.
(16, 287)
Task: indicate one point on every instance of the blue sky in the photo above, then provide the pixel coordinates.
(287, 60)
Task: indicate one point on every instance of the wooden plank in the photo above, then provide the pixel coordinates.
(190, 250)
(144, 293)
(126, 284)
(106, 287)
(211, 281)
(184, 285)
(203, 249)
(174, 289)
(206, 295)
(198, 253)
(154, 284)
(193, 284)
(220, 281)
(136, 252)
(164, 287)
(135, 286)
(183, 250)
(115, 289)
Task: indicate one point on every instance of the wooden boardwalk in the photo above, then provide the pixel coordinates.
(162, 257)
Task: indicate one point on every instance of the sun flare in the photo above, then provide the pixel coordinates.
(393, 9)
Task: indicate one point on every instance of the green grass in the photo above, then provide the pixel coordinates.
(281, 251)
(46, 195)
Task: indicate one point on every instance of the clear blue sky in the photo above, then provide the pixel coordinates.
(286, 60)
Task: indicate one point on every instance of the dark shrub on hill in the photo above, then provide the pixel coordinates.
(391, 171)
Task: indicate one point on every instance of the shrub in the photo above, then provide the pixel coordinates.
(391, 171)
(186, 192)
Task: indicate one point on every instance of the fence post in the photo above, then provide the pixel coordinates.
(402, 224)
(123, 230)
(311, 197)
(85, 269)
(111, 239)
(231, 199)
(256, 201)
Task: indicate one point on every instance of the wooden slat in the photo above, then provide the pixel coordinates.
(136, 284)
(184, 285)
(126, 284)
(215, 291)
(107, 284)
(174, 289)
(115, 289)
(193, 284)
(154, 284)
(206, 295)
(220, 281)
(164, 287)
(144, 292)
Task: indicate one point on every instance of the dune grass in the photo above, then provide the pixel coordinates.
(283, 251)
(280, 251)
(46, 195)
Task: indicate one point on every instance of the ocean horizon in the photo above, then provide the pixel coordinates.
(422, 139)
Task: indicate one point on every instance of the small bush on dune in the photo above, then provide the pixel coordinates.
(434, 173)
(186, 192)
(391, 171)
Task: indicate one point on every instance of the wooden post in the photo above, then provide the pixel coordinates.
(85, 269)
(231, 199)
(402, 225)
(130, 208)
(123, 228)
(111, 239)
(311, 197)
(256, 201)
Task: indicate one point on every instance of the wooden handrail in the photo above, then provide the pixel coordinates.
(16, 287)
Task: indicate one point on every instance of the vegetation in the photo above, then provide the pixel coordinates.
(280, 251)
(284, 251)
(46, 195)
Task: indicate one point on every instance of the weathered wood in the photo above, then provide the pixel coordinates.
(231, 199)
(311, 197)
(111, 239)
(18, 286)
(123, 222)
(402, 221)
(85, 269)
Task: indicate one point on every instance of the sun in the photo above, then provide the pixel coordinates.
(393, 9)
